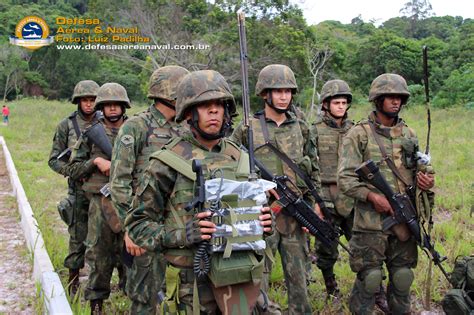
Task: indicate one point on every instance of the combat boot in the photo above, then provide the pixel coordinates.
(73, 282)
(381, 300)
(265, 306)
(332, 289)
(96, 307)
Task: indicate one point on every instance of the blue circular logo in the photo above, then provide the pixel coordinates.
(32, 30)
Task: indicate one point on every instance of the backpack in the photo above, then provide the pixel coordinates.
(460, 299)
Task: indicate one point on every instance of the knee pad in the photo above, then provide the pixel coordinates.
(372, 280)
(402, 279)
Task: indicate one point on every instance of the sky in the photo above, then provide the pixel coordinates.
(316, 11)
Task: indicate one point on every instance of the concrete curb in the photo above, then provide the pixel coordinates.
(53, 293)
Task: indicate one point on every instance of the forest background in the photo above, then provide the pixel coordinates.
(277, 32)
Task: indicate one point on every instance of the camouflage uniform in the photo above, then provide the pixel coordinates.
(298, 141)
(139, 138)
(370, 245)
(329, 147)
(104, 242)
(65, 137)
(158, 218)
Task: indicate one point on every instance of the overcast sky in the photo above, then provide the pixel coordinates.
(316, 11)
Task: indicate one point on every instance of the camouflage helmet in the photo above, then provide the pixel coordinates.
(201, 86)
(111, 92)
(389, 84)
(276, 77)
(163, 82)
(334, 88)
(83, 89)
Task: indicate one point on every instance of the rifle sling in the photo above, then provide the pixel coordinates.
(292, 165)
(385, 156)
(75, 124)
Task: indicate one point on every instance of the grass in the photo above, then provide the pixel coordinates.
(31, 129)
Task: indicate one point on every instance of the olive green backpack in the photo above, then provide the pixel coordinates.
(460, 299)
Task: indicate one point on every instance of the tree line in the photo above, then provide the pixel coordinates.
(276, 33)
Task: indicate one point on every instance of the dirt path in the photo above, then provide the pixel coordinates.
(17, 288)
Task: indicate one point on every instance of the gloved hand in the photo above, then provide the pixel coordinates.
(198, 229)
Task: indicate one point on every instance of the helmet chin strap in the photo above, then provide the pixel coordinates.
(194, 122)
(269, 102)
(115, 118)
(388, 114)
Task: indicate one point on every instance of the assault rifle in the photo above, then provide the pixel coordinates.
(202, 262)
(97, 135)
(295, 206)
(404, 212)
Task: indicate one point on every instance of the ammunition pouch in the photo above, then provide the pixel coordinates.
(170, 303)
(110, 215)
(66, 209)
(241, 267)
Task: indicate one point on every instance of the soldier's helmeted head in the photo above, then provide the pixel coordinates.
(112, 94)
(163, 84)
(199, 90)
(388, 86)
(336, 97)
(276, 79)
(84, 96)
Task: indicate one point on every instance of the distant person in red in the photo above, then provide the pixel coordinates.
(5, 114)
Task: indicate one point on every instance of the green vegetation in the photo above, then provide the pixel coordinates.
(276, 33)
(30, 133)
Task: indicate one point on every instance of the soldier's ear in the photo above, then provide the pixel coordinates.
(187, 115)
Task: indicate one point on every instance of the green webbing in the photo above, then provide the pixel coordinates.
(177, 163)
(172, 290)
(239, 239)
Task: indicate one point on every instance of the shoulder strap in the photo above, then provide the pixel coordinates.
(263, 124)
(75, 124)
(385, 157)
(174, 160)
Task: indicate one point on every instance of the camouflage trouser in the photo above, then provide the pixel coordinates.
(370, 251)
(102, 253)
(235, 299)
(327, 256)
(77, 230)
(144, 281)
(294, 251)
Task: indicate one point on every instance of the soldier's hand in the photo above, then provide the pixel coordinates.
(318, 211)
(425, 181)
(131, 247)
(266, 219)
(380, 203)
(199, 229)
(103, 165)
(273, 193)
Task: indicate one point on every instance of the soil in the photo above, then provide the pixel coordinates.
(17, 287)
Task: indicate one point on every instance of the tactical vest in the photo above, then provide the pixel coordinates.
(231, 160)
(401, 145)
(97, 180)
(156, 137)
(288, 138)
(329, 147)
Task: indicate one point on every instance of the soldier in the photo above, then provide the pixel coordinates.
(139, 137)
(387, 140)
(277, 124)
(73, 209)
(159, 221)
(331, 126)
(90, 162)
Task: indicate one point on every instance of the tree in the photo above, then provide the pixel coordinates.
(416, 10)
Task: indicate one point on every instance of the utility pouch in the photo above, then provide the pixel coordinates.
(240, 267)
(66, 209)
(110, 215)
(458, 302)
(170, 302)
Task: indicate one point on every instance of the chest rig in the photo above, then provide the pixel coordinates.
(227, 267)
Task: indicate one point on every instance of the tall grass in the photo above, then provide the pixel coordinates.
(31, 129)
